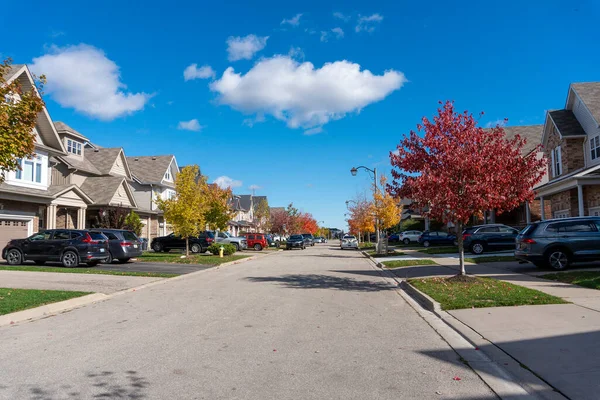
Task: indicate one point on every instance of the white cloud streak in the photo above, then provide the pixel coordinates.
(244, 48)
(193, 72)
(191, 125)
(313, 131)
(493, 124)
(83, 78)
(301, 95)
(368, 23)
(294, 21)
(225, 182)
(341, 16)
(339, 32)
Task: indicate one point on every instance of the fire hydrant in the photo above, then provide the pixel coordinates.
(221, 251)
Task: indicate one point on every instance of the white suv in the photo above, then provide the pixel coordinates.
(349, 242)
(409, 236)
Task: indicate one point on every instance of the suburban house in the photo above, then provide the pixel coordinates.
(245, 207)
(153, 177)
(29, 199)
(571, 139)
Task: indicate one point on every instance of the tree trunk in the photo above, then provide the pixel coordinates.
(461, 247)
(187, 246)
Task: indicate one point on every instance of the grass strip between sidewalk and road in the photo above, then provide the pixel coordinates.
(487, 259)
(407, 263)
(467, 292)
(89, 271)
(439, 250)
(588, 279)
(192, 259)
(12, 300)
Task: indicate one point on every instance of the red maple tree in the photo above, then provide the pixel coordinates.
(307, 223)
(279, 221)
(457, 169)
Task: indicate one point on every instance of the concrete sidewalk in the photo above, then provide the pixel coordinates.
(106, 284)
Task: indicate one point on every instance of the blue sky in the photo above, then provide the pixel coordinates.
(116, 72)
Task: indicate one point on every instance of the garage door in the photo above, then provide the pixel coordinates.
(11, 229)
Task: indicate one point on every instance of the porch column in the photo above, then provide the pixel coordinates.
(580, 199)
(542, 209)
(527, 213)
(81, 215)
(51, 216)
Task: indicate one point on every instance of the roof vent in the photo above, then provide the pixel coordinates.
(96, 150)
(154, 158)
(136, 159)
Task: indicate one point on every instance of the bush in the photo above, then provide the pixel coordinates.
(228, 248)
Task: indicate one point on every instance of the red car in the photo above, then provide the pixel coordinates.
(257, 241)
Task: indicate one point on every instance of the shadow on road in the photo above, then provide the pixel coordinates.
(324, 282)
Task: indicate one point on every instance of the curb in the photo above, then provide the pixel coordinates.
(51, 309)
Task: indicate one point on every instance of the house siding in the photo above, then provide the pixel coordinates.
(120, 198)
(118, 167)
(143, 195)
(60, 175)
(589, 126)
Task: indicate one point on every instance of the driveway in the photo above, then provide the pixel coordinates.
(319, 323)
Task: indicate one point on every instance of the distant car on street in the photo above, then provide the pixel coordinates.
(437, 238)
(349, 242)
(122, 245)
(308, 237)
(295, 242)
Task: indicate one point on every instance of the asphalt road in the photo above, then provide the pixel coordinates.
(318, 323)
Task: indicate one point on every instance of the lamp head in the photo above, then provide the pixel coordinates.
(353, 171)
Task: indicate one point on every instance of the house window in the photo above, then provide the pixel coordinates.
(30, 170)
(168, 175)
(170, 194)
(73, 147)
(556, 161)
(595, 147)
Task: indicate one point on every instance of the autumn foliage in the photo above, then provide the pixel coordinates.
(291, 220)
(362, 216)
(456, 169)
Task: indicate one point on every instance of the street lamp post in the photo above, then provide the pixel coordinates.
(354, 171)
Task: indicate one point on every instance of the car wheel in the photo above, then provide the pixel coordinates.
(237, 247)
(123, 260)
(196, 248)
(558, 259)
(257, 247)
(39, 262)
(406, 241)
(477, 248)
(14, 257)
(92, 263)
(70, 259)
(109, 259)
(157, 247)
(426, 243)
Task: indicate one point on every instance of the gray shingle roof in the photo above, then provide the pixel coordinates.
(247, 200)
(531, 133)
(61, 127)
(589, 93)
(149, 169)
(79, 164)
(102, 158)
(50, 193)
(101, 189)
(12, 70)
(566, 123)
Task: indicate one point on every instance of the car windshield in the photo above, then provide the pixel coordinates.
(349, 237)
(296, 237)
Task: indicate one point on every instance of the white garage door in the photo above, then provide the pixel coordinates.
(12, 229)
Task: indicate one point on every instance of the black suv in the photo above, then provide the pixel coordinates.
(559, 242)
(481, 238)
(197, 244)
(69, 246)
(122, 244)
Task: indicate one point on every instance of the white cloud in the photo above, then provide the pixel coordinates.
(301, 95)
(225, 182)
(323, 36)
(193, 72)
(254, 187)
(294, 21)
(492, 124)
(341, 16)
(296, 52)
(313, 131)
(367, 23)
(244, 48)
(83, 78)
(339, 32)
(191, 125)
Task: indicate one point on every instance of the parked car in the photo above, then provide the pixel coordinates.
(394, 238)
(481, 238)
(308, 237)
(197, 244)
(319, 239)
(295, 242)
(71, 247)
(436, 238)
(239, 242)
(257, 241)
(271, 240)
(349, 242)
(407, 237)
(557, 243)
(122, 245)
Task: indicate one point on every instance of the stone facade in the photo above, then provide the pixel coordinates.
(66, 218)
(572, 152)
(591, 196)
(561, 201)
(153, 227)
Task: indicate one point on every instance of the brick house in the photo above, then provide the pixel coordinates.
(571, 142)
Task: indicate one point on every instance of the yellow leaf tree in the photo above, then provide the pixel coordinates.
(262, 214)
(362, 217)
(186, 211)
(386, 208)
(219, 211)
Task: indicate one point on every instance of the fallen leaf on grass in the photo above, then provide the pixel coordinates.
(456, 378)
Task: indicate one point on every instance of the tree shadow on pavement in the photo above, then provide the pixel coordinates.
(314, 281)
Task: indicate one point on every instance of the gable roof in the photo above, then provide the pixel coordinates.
(246, 201)
(12, 71)
(531, 133)
(103, 188)
(566, 123)
(102, 158)
(53, 191)
(589, 93)
(61, 127)
(80, 164)
(149, 169)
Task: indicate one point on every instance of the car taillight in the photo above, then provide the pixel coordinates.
(528, 241)
(465, 236)
(210, 240)
(88, 239)
(126, 244)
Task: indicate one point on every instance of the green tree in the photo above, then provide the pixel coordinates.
(18, 114)
(262, 214)
(134, 223)
(218, 211)
(186, 212)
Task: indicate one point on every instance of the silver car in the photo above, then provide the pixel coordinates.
(409, 236)
(349, 242)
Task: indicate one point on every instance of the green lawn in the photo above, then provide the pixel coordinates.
(439, 250)
(487, 259)
(192, 259)
(588, 279)
(389, 254)
(12, 300)
(91, 271)
(407, 263)
(453, 293)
